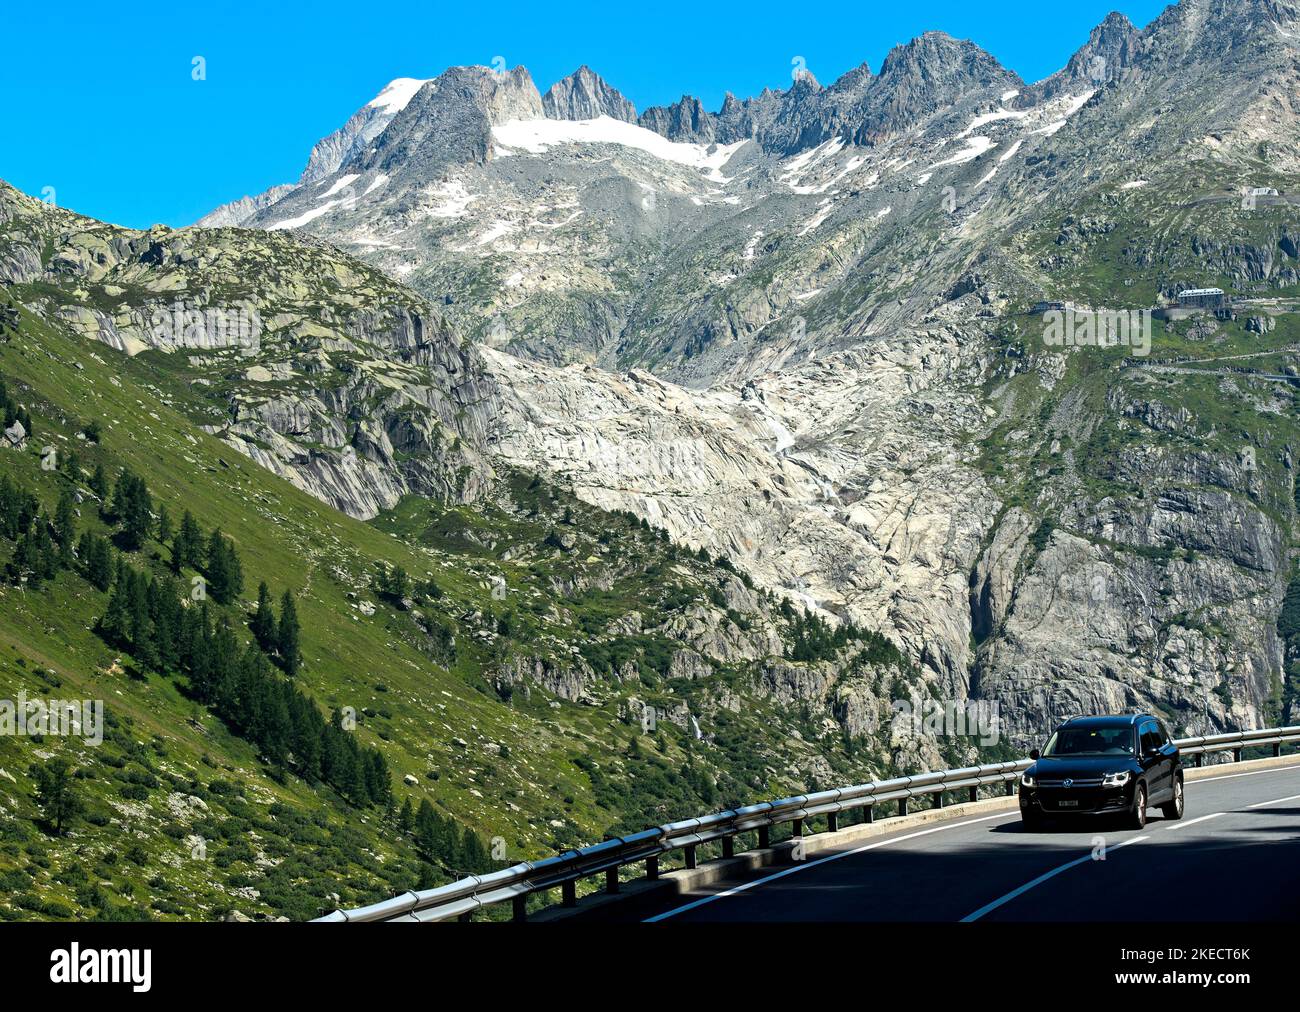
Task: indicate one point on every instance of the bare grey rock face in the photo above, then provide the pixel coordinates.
(687, 120)
(793, 332)
(449, 121)
(264, 313)
(927, 75)
(327, 156)
(1110, 50)
(239, 211)
(585, 95)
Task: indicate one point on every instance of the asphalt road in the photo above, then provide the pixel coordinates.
(1235, 856)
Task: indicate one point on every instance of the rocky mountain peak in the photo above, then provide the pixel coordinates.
(1206, 29)
(932, 72)
(585, 95)
(853, 80)
(1111, 49)
(940, 57)
(449, 121)
(328, 154)
(804, 84)
(686, 120)
(513, 96)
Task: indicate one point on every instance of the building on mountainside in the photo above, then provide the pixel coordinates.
(1048, 307)
(1202, 298)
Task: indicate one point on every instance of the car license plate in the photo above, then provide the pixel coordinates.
(1068, 804)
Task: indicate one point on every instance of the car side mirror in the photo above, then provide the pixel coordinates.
(1034, 753)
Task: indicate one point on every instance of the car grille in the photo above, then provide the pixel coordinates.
(1082, 785)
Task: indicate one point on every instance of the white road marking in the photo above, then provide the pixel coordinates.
(1193, 822)
(1252, 773)
(1041, 879)
(812, 864)
(1275, 801)
(745, 886)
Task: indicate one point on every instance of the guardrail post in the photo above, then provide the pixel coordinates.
(974, 794)
(764, 837)
(902, 806)
(569, 893)
(1277, 749)
(611, 880)
(1236, 755)
(796, 828)
(868, 814)
(519, 907)
(1011, 788)
(728, 846)
(652, 868)
(1200, 759)
(938, 799)
(468, 915)
(690, 856)
(832, 822)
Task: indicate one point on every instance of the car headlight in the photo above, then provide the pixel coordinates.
(1026, 780)
(1116, 779)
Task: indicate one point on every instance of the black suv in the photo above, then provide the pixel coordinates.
(1104, 765)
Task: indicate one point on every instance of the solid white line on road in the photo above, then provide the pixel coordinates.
(812, 864)
(1040, 880)
(1137, 839)
(1252, 773)
(744, 886)
(1193, 822)
(1275, 801)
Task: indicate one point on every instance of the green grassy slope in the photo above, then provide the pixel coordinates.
(183, 819)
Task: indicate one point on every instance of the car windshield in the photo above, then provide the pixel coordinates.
(1091, 741)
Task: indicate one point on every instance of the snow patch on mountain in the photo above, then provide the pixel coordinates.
(397, 95)
(975, 146)
(1072, 105)
(305, 217)
(540, 135)
(341, 183)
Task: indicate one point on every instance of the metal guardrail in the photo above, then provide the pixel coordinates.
(515, 884)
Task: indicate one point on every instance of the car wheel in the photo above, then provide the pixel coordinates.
(1174, 810)
(1137, 816)
(1031, 821)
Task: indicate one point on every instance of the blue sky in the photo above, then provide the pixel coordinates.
(100, 103)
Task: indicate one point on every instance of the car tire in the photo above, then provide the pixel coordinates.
(1031, 822)
(1137, 815)
(1174, 809)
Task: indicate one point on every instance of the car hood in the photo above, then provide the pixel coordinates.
(1079, 767)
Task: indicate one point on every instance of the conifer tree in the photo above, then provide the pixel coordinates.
(225, 574)
(59, 803)
(289, 636)
(164, 525)
(187, 545)
(97, 557)
(99, 484)
(133, 509)
(264, 627)
(65, 527)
